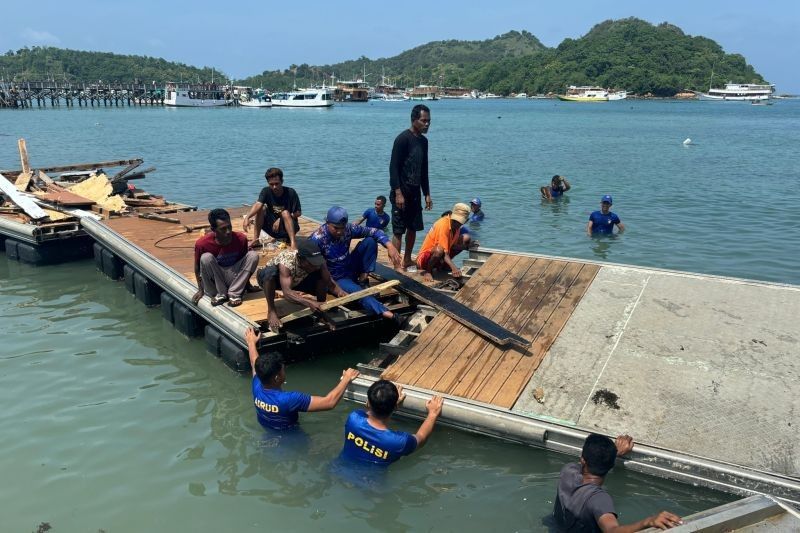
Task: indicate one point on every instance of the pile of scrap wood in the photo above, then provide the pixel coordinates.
(51, 194)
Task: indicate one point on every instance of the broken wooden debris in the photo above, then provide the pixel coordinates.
(21, 200)
(336, 302)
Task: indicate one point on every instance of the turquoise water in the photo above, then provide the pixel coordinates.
(114, 421)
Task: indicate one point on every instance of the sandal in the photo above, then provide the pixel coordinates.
(219, 299)
(234, 301)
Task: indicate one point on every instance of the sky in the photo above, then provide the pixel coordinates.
(247, 37)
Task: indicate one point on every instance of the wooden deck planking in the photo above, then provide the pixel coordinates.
(456, 354)
(523, 294)
(470, 383)
(517, 379)
(443, 329)
(509, 362)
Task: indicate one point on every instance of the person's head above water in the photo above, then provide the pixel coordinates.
(382, 398)
(270, 369)
(598, 454)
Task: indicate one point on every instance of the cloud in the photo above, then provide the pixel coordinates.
(39, 36)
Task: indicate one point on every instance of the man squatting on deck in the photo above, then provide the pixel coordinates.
(278, 409)
(296, 271)
(367, 437)
(442, 241)
(222, 262)
(582, 504)
(276, 211)
(408, 173)
(350, 269)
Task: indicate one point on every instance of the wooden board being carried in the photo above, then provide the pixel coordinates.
(352, 297)
(452, 308)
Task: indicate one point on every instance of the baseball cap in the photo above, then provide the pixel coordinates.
(476, 201)
(606, 198)
(337, 215)
(308, 250)
(460, 213)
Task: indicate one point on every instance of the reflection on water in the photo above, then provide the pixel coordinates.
(602, 244)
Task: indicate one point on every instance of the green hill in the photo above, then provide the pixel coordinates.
(629, 54)
(40, 63)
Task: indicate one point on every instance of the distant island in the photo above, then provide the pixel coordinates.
(630, 54)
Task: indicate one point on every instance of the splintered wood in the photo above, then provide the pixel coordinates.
(532, 297)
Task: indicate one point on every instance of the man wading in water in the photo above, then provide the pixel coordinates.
(408, 173)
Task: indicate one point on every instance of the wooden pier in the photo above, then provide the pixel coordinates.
(40, 94)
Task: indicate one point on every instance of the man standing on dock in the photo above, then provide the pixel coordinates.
(367, 437)
(276, 211)
(350, 269)
(582, 504)
(222, 262)
(278, 409)
(408, 174)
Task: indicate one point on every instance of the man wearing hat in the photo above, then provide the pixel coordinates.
(602, 222)
(435, 250)
(475, 213)
(296, 271)
(350, 269)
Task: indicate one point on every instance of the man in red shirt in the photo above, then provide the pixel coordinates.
(222, 262)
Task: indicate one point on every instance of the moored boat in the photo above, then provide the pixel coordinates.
(195, 95)
(584, 93)
(739, 92)
(322, 97)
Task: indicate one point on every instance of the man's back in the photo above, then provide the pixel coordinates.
(362, 442)
(579, 505)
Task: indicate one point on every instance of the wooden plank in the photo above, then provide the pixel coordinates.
(122, 173)
(336, 302)
(66, 198)
(459, 351)
(22, 181)
(27, 204)
(23, 157)
(468, 381)
(441, 329)
(91, 166)
(452, 308)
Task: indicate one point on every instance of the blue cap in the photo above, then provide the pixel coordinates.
(476, 201)
(606, 198)
(337, 215)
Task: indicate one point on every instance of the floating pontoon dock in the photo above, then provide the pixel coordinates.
(701, 370)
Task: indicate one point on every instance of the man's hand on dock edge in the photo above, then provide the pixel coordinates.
(624, 444)
(434, 406)
(664, 520)
(350, 374)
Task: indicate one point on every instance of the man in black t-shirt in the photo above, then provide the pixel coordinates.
(408, 174)
(582, 504)
(276, 210)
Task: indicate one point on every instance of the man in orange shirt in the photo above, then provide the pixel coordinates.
(435, 249)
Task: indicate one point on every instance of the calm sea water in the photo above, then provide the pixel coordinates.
(114, 421)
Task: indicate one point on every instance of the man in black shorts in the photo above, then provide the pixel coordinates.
(276, 210)
(408, 174)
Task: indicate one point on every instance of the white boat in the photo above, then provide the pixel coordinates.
(304, 98)
(584, 93)
(739, 92)
(195, 95)
(489, 96)
(617, 95)
(521, 95)
(386, 97)
(260, 101)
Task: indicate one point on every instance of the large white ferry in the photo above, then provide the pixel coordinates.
(739, 92)
(304, 98)
(195, 95)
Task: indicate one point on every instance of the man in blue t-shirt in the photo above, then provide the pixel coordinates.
(367, 436)
(602, 222)
(276, 408)
(376, 217)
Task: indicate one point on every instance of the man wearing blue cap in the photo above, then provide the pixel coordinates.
(602, 222)
(475, 213)
(349, 269)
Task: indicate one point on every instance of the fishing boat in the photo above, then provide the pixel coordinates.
(195, 95)
(322, 97)
(584, 93)
(617, 95)
(739, 92)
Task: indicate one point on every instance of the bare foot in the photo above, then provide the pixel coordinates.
(274, 322)
(407, 264)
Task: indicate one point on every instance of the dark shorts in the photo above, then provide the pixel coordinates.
(308, 285)
(281, 234)
(408, 218)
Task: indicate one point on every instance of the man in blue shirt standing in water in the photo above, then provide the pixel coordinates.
(602, 222)
(276, 408)
(367, 437)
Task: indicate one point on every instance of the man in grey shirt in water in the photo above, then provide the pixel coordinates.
(582, 504)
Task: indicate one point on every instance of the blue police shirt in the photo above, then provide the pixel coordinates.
(337, 251)
(277, 409)
(373, 220)
(362, 442)
(603, 224)
(476, 217)
(555, 192)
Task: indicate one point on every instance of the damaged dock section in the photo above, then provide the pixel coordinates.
(701, 370)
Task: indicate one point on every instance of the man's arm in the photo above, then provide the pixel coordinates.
(329, 401)
(663, 520)
(566, 185)
(199, 293)
(589, 228)
(454, 270)
(434, 406)
(251, 336)
(248, 218)
(332, 286)
(399, 156)
(290, 294)
(360, 220)
(620, 227)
